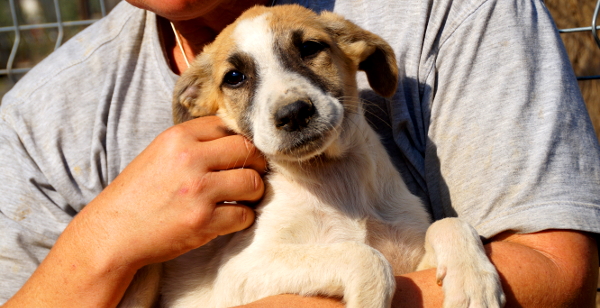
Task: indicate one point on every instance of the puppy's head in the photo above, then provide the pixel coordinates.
(284, 77)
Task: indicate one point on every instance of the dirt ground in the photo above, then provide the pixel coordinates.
(583, 52)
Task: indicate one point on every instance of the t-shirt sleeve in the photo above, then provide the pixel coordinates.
(32, 214)
(510, 144)
(69, 127)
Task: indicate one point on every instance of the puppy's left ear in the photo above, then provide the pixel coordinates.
(367, 50)
(192, 96)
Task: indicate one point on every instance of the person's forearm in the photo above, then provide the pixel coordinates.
(529, 279)
(74, 274)
(295, 301)
(556, 268)
(546, 269)
(561, 271)
(166, 202)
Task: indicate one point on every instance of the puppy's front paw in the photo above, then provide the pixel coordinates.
(371, 283)
(473, 286)
(464, 271)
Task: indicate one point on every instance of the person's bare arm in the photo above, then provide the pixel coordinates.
(166, 202)
(555, 268)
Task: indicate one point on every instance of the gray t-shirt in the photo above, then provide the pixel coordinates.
(488, 123)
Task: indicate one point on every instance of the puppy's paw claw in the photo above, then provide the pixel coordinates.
(440, 274)
(480, 289)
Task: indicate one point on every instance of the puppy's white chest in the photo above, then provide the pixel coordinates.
(289, 227)
(302, 219)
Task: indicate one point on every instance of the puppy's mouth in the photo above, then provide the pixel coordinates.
(305, 146)
(309, 142)
(298, 128)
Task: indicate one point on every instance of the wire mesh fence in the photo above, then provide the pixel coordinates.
(593, 29)
(31, 29)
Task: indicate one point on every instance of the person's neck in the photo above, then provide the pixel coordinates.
(196, 33)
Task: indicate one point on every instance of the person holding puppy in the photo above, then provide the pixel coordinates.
(87, 132)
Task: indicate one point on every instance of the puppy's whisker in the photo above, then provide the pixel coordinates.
(374, 115)
(368, 109)
(351, 121)
(245, 160)
(369, 103)
(231, 165)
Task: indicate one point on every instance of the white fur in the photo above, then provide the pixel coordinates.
(255, 37)
(342, 225)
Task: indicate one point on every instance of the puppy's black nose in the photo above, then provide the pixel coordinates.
(294, 116)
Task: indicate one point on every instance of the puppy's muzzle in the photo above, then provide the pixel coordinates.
(294, 116)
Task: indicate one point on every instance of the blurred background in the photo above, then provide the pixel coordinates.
(31, 29)
(583, 49)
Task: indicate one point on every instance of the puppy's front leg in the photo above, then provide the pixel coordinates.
(354, 271)
(464, 271)
(143, 290)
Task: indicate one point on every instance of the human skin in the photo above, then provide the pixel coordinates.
(168, 201)
(554, 268)
(197, 23)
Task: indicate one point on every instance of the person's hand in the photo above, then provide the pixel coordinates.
(169, 199)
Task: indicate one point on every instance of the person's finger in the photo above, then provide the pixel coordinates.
(235, 185)
(234, 152)
(206, 128)
(228, 218)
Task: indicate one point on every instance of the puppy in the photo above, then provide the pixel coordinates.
(336, 218)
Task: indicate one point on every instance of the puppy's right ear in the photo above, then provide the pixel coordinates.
(191, 98)
(367, 50)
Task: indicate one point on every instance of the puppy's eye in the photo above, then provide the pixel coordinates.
(234, 78)
(311, 48)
